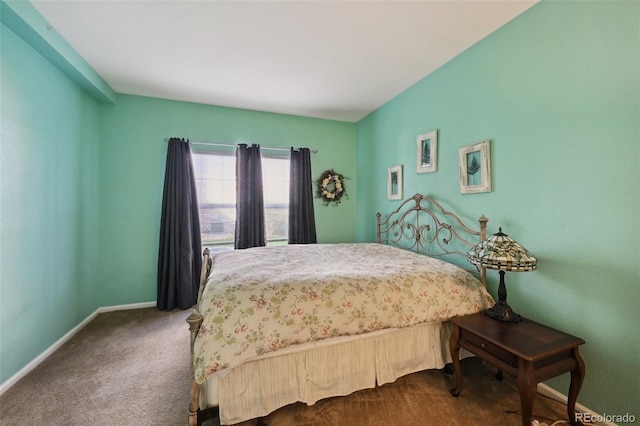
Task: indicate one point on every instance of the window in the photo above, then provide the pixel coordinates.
(275, 182)
(215, 175)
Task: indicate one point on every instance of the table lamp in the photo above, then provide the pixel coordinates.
(501, 252)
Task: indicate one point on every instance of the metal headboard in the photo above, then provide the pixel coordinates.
(422, 225)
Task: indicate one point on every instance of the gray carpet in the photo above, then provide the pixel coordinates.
(131, 368)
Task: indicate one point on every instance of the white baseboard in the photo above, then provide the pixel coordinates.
(51, 349)
(557, 396)
(126, 307)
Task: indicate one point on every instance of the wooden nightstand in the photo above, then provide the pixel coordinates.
(526, 350)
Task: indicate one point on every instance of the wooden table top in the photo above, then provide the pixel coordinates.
(526, 339)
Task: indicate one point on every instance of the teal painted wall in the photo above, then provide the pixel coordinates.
(48, 204)
(557, 91)
(132, 158)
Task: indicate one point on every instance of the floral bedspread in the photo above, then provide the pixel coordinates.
(262, 299)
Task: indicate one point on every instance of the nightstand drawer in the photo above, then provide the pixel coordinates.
(489, 348)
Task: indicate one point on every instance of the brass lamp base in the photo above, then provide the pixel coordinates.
(502, 312)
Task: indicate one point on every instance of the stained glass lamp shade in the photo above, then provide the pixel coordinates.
(501, 252)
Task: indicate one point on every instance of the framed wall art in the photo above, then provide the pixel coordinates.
(475, 168)
(394, 182)
(427, 152)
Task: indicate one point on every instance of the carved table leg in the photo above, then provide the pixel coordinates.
(577, 376)
(527, 386)
(454, 349)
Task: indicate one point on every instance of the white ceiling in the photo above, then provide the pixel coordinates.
(337, 60)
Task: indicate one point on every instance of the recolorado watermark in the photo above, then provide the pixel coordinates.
(605, 418)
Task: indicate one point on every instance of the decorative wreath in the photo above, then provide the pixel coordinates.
(331, 187)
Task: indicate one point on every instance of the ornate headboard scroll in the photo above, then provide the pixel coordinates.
(420, 224)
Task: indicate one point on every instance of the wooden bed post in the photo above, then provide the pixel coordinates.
(195, 321)
(204, 271)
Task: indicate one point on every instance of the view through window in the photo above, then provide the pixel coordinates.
(215, 176)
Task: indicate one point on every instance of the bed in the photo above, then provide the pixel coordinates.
(299, 323)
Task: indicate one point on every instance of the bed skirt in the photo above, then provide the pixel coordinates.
(310, 372)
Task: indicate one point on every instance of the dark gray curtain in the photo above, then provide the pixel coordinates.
(179, 258)
(302, 222)
(250, 228)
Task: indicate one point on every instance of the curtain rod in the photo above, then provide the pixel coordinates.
(315, 151)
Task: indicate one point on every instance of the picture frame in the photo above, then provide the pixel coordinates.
(427, 152)
(394, 182)
(475, 168)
